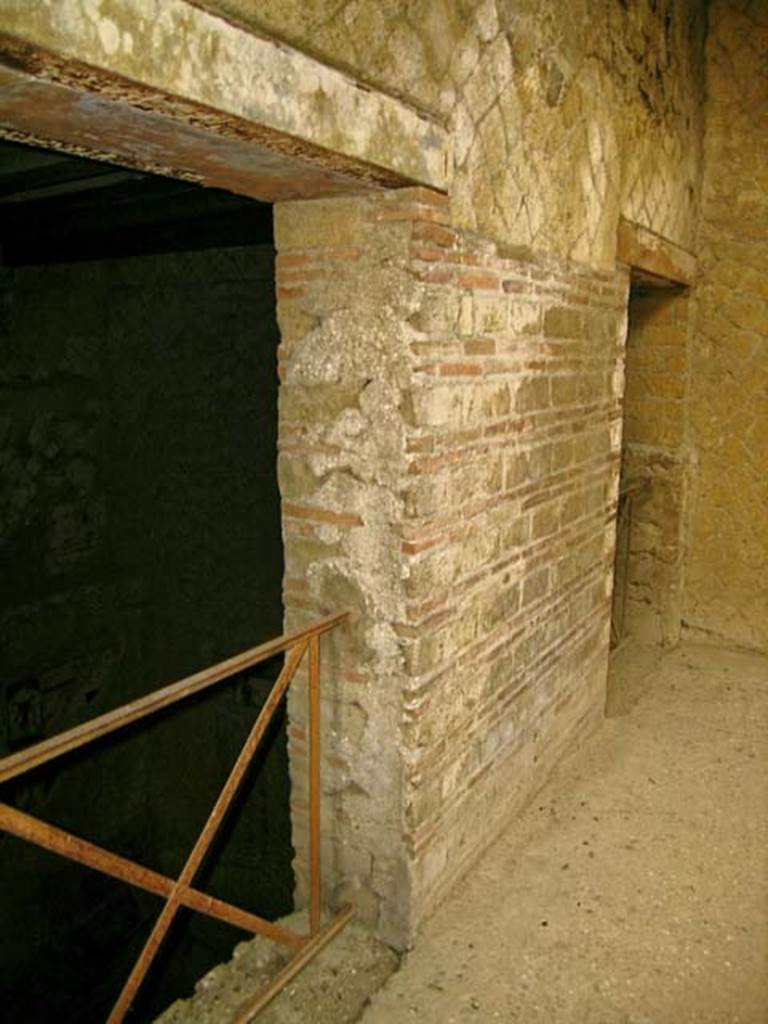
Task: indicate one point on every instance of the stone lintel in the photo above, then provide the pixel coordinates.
(210, 153)
(179, 83)
(652, 259)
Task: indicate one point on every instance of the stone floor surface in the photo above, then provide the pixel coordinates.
(332, 989)
(634, 890)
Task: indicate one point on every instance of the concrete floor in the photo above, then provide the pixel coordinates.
(635, 889)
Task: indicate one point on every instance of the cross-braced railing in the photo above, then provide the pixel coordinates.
(180, 892)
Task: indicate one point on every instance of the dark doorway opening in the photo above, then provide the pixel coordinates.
(140, 541)
(647, 589)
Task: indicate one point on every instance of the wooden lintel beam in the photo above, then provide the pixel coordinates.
(656, 258)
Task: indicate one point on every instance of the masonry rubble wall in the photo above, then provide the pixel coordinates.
(450, 408)
(451, 414)
(450, 430)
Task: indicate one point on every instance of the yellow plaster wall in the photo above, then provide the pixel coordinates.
(726, 592)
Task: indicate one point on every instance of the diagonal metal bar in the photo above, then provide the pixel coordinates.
(205, 838)
(31, 829)
(180, 892)
(314, 786)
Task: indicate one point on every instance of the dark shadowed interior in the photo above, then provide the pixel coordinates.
(140, 541)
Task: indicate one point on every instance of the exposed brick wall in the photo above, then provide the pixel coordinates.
(344, 298)
(513, 460)
(449, 467)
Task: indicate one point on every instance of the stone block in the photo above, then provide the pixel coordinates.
(532, 394)
(525, 318)
(545, 521)
(438, 405)
(490, 314)
(540, 462)
(516, 532)
(564, 390)
(563, 322)
(535, 586)
(496, 401)
(498, 606)
(317, 404)
(320, 224)
(438, 311)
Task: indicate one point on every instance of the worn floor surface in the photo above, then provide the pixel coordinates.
(635, 889)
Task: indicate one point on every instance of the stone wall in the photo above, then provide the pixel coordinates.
(726, 594)
(450, 420)
(345, 295)
(449, 440)
(559, 121)
(450, 416)
(140, 541)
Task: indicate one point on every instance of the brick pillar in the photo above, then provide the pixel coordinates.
(449, 448)
(344, 300)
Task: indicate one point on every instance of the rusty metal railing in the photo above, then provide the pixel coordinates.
(629, 492)
(180, 892)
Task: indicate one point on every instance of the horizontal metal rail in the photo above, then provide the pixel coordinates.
(40, 753)
(24, 826)
(180, 892)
